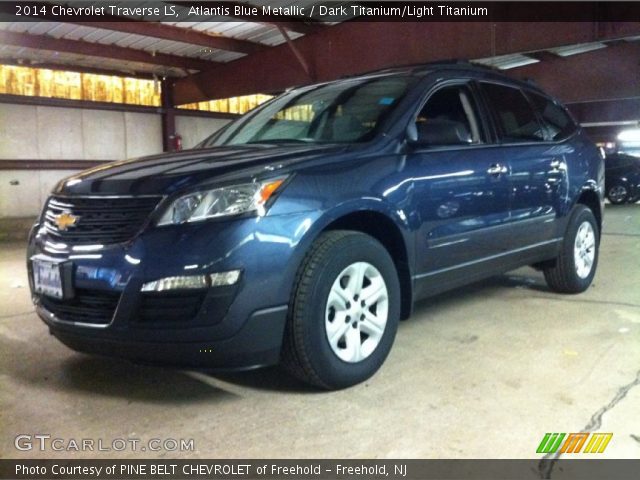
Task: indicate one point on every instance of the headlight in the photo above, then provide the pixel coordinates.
(220, 202)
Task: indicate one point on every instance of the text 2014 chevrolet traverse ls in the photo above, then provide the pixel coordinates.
(305, 230)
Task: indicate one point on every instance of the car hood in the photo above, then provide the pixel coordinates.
(166, 173)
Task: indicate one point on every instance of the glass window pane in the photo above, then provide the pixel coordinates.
(339, 112)
(558, 122)
(514, 115)
(449, 118)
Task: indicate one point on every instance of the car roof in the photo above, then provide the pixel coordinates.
(459, 66)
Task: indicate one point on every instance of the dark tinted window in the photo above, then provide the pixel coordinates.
(449, 117)
(620, 161)
(514, 115)
(557, 121)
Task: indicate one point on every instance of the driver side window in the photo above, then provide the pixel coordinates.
(449, 118)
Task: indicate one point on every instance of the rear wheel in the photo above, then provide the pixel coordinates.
(344, 313)
(575, 267)
(618, 194)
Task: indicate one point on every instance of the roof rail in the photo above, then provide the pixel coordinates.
(530, 81)
(414, 67)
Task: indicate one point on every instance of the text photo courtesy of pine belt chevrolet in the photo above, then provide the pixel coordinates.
(304, 231)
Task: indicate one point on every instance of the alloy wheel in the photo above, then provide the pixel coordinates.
(617, 194)
(584, 249)
(356, 312)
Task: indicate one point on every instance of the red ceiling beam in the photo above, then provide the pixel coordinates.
(621, 112)
(43, 42)
(355, 47)
(608, 73)
(177, 34)
(512, 37)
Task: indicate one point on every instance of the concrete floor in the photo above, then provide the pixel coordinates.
(482, 372)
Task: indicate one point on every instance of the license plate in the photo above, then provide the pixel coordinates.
(47, 279)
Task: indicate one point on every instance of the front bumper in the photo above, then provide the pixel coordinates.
(237, 326)
(257, 344)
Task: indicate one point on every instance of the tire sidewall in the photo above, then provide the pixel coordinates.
(581, 215)
(329, 367)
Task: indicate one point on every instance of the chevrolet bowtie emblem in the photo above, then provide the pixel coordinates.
(65, 220)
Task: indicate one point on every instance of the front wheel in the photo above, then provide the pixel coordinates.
(344, 313)
(575, 267)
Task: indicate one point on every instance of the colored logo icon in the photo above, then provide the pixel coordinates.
(574, 442)
(65, 220)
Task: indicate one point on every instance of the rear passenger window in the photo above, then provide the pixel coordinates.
(557, 121)
(514, 115)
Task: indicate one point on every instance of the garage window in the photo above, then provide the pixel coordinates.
(514, 116)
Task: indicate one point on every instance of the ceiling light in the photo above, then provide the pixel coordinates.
(576, 49)
(505, 62)
(630, 135)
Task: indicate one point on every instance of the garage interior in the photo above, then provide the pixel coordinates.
(480, 372)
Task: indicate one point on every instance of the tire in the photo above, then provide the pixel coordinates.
(618, 194)
(331, 340)
(575, 267)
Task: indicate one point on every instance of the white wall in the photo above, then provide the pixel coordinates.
(31, 132)
(27, 197)
(196, 129)
(55, 133)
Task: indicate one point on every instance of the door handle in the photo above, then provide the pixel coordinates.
(557, 165)
(497, 169)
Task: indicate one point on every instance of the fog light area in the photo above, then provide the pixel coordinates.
(218, 279)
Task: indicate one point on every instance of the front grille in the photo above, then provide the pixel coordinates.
(99, 220)
(87, 306)
(161, 307)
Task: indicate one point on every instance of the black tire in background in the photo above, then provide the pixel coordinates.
(564, 275)
(307, 352)
(618, 194)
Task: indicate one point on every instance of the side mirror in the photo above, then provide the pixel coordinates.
(438, 132)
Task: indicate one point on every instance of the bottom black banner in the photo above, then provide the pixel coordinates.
(66, 469)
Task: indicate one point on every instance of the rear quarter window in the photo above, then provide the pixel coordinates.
(558, 122)
(514, 116)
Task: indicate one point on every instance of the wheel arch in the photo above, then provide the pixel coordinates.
(389, 229)
(590, 198)
(381, 227)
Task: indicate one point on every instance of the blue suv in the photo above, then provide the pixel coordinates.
(302, 232)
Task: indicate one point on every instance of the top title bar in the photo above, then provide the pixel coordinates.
(313, 11)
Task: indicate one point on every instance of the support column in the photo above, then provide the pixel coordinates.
(168, 116)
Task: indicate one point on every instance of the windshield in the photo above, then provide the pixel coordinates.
(341, 112)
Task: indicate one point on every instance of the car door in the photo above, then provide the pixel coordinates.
(536, 161)
(460, 192)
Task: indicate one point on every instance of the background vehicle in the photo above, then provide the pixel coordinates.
(622, 178)
(304, 231)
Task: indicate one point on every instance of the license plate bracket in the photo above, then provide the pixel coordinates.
(52, 278)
